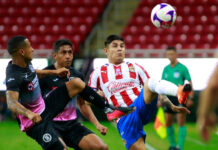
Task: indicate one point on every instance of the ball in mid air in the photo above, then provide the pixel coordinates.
(163, 16)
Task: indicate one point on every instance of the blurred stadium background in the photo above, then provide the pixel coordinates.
(88, 22)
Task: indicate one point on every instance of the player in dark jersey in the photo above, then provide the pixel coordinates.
(24, 96)
(72, 132)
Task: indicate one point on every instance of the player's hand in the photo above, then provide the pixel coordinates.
(62, 72)
(102, 129)
(205, 124)
(34, 117)
(180, 109)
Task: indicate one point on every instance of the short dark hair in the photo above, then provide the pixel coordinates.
(60, 43)
(171, 48)
(111, 38)
(15, 43)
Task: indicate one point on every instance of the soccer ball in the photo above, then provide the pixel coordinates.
(163, 15)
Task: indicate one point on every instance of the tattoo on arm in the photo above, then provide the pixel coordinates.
(165, 101)
(14, 105)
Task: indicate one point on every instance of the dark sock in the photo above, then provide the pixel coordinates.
(91, 96)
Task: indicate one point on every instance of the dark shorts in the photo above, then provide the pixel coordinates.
(71, 132)
(44, 132)
(175, 101)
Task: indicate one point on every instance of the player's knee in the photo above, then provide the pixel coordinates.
(152, 84)
(77, 83)
(101, 147)
(57, 146)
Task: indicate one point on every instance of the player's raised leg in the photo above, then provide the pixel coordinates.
(153, 87)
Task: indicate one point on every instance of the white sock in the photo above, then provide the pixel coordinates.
(162, 87)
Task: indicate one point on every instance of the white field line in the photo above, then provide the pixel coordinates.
(195, 141)
(149, 147)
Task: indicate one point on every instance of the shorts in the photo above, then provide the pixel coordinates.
(175, 101)
(130, 127)
(44, 132)
(71, 132)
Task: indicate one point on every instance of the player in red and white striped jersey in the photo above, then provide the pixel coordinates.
(123, 84)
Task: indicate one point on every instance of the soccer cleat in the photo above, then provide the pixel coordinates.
(119, 112)
(183, 92)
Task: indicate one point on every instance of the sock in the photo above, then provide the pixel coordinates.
(171, 136)
(182, 135)
(91, 96)
(162, 87)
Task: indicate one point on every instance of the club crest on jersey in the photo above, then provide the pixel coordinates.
(30, 86)
(131, 69)
(176, 75)
(47, 137)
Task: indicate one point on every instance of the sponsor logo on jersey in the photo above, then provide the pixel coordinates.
(10, 79)
(33, 84)
(115, 87)
(56, 79)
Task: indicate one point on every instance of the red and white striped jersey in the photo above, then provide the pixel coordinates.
(121, 84)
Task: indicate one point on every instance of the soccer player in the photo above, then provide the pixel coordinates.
(128, 84)
(207, 115)
(74, 134)
(176, 73)
(24, 96)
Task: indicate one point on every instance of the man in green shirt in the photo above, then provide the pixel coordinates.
(176, 73)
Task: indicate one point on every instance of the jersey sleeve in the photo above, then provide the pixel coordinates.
(187, 74)
(81, 76)
(142, 73)
(42, 83)
(163, 74)
(94, 80)
(13, 82)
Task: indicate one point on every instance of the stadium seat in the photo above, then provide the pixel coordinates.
(44, 20)
(195, 26)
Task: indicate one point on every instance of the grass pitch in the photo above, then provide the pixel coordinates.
(12, 139)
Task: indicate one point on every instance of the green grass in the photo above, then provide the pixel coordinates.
(12, 139)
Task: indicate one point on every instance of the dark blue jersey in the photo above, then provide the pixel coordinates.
(24, 81)
(49, 83)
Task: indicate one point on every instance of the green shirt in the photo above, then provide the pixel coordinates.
(177, 74)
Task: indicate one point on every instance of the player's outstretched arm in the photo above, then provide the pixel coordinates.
(87, 112)
(166, 102)
(61, 72)
(208, 103)
(17, 108)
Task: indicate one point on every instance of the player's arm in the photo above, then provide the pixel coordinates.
(17, 108)
(61, 72)
(86, 111)
(166, 102)
(208, 103)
